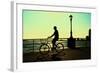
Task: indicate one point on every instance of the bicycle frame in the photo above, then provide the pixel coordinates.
(48, 42)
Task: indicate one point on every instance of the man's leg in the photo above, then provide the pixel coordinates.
(53, 44)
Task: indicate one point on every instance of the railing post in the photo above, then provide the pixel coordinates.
(33, 45)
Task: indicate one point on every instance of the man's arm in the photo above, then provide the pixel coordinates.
(52, 35)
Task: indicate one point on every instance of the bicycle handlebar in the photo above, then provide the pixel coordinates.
(46, 40)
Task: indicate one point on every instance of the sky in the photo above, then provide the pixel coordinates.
(39, 24)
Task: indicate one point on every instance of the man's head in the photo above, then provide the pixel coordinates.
(55, 28)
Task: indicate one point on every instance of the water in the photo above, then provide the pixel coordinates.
(34, 44)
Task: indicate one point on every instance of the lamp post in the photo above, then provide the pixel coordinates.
(71, 26)
(71, 40)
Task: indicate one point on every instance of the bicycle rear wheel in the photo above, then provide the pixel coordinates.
(59, 47)
(44, 49)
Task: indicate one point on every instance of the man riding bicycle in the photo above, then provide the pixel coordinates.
(56, 37)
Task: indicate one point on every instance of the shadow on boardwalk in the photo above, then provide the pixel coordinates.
(67, 54)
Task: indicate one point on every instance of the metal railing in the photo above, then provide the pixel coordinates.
(33, 45)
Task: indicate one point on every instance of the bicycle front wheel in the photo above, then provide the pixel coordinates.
(44, 49)
(60, 47)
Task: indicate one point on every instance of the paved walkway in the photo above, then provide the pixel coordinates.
(67, 54)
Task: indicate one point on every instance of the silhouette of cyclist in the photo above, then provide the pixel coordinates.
(56, 37)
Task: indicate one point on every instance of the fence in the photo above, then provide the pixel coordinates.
(33, 45)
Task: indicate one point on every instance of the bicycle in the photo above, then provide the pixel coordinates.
(46, 47)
